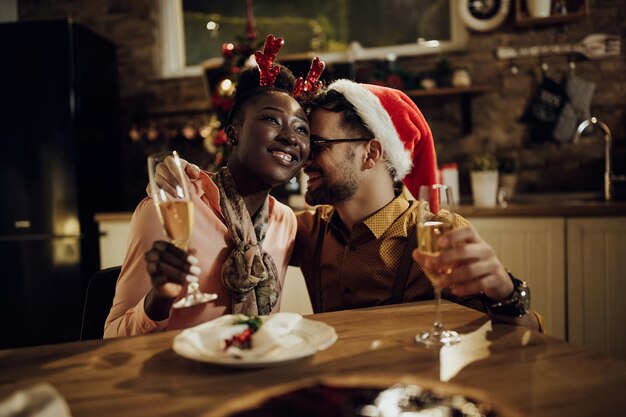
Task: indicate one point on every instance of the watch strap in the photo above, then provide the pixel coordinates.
(515, 305)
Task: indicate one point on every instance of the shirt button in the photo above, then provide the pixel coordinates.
(352, 247)
(347, 290)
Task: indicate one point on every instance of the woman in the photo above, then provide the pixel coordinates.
(243, 236)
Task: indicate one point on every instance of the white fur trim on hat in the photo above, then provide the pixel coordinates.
(377, 120)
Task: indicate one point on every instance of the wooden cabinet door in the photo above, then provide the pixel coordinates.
(533, 249)
(596, 273)
(113, 241)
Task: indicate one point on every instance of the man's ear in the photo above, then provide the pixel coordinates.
(374, 153)
(231, 134)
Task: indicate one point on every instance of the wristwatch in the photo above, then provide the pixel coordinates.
(515, 305)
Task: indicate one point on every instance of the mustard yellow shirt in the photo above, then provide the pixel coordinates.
(359, 268)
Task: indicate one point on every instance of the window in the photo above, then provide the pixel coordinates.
(193, 31)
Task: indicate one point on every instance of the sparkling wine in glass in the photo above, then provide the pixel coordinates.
(435, 218)
(175, 210)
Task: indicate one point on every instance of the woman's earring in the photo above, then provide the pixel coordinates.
(231, 135)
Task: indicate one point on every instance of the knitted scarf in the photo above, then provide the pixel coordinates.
(249, 273)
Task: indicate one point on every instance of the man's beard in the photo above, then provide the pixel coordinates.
(344, 185)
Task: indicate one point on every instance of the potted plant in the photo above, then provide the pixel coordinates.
(484, 178)
(508, 167)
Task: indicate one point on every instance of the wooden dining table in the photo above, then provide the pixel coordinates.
(531, 373)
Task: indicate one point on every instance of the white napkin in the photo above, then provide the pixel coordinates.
(41, 400)
(274, 335)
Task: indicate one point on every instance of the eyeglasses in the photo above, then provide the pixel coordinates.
(318, 145)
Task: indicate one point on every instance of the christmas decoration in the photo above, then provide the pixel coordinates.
(312, 84)
(222, 82)
(265, 60)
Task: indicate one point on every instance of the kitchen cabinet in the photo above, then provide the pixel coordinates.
(596, 276)
(533, 249)
(113, 229)
(576, 268)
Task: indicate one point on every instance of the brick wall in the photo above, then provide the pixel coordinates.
(547, 166)
(133, 27)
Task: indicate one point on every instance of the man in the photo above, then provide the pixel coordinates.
(353, 248)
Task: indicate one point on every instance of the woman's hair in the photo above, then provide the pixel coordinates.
(248, 90)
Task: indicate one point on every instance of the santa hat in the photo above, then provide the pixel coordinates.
(396, 121)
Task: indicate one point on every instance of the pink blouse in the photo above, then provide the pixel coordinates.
(212, 243)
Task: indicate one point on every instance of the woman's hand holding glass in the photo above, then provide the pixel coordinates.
(170, 268)
(170, 192)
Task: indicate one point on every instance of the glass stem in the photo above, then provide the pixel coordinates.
(437, 325)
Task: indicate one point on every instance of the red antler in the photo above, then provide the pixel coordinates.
(312, 84)
(265, 60)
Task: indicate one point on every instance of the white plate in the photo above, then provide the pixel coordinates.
(314, 336)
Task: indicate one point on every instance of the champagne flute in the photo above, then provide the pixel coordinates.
(175, 209)
(435, 217)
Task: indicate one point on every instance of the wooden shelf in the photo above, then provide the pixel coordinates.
(465, 94)
(576, 10)
(448, 91)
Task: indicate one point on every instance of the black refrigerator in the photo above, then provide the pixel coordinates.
(60, 163)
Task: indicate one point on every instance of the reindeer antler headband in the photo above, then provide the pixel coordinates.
(312, 84)
(265, 60)
(268, 71)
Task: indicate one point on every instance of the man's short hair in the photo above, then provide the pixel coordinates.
(335, 102)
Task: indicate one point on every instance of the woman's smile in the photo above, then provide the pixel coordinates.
(283, 156)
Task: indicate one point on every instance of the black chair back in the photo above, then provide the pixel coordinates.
(98, 301)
